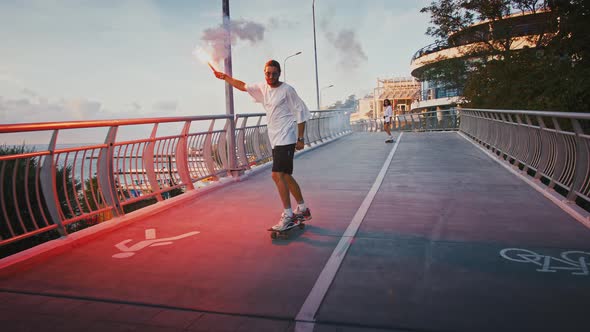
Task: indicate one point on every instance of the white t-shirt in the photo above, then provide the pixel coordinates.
(283, 107)
(387, 113)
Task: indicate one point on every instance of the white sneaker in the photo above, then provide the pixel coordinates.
(284, 223)
(302, 216)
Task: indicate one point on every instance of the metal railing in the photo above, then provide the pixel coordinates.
(371, 125)
(429, 121)
(551, 147)
(59, 187)
(253, 145)
(426, 121)
(434, 47)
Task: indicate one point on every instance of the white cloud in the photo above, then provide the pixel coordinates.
(166, 106)
(81, 108)
(7, 78)
(40, 110)
(29, 93)
(133, 58)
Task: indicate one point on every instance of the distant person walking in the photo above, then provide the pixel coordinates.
(283, 107)
(387, 119)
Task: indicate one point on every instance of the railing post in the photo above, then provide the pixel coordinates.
(207, 149)
(333, 124)
(241, 144)
(530, 144)
(320, 124)
(544, 158)
(330, 125)
(256, 141)
(48, 185)
(148, 164)
(308, 128)
(222, 147)
(581, 166)
(106, 174)
(560, 155)
(181, 156)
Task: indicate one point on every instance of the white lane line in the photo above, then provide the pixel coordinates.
(306, 316)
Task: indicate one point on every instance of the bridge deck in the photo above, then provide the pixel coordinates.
(426, 257)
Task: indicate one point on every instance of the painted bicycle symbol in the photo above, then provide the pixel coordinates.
(575, 261)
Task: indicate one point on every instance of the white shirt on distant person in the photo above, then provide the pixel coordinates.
(387, 113)
(283, 107)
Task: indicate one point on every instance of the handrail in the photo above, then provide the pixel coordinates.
(452, 41)
(61, 189)
(426, 121)
(431, 48)
(43, 126)
(568, 115)
(551, 147)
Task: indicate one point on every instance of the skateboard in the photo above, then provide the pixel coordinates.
(284, 234)
(390, 141)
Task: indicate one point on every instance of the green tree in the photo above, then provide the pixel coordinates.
(570, 54)
(18, 190)
(24, 202)
(551, 75)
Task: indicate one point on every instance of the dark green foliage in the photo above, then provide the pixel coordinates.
(17, 204)
(26, 210)
(139, 204)
(176, 192)
(447, 16)
(18, 191)
(29, 242)
(447, 74)
(551, 76)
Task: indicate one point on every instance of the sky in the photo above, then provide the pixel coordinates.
(70, 60)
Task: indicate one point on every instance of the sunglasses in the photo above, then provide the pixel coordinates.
(271, 74)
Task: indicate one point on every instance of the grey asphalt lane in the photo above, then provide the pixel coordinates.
(427, 256)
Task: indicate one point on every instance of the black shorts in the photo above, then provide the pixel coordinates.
(282, 158)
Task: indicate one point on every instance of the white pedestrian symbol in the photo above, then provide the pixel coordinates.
(150, 241)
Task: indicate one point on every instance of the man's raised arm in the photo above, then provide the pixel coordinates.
(232, 81)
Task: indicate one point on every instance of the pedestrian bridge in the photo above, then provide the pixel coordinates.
(478, 229)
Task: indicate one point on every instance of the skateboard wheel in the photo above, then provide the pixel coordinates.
(301, 226)
(273, 235)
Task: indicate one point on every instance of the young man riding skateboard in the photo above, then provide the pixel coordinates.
(283, 107)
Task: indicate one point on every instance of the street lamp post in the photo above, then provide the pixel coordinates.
(229, 92)
(315, 51)
(285, 65)
(326, 87)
